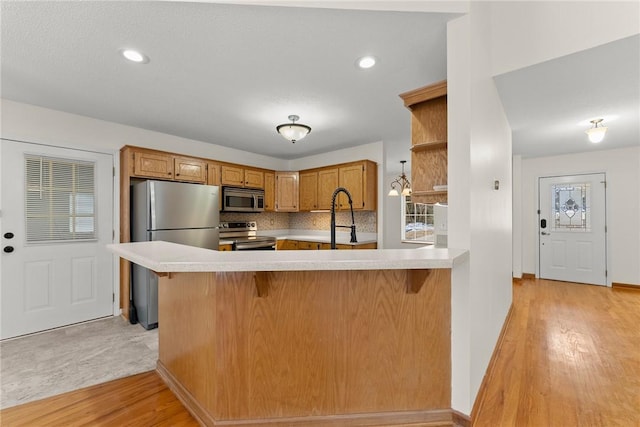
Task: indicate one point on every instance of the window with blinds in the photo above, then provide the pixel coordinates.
(60, 200)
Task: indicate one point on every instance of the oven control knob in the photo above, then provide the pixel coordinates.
(253, 224)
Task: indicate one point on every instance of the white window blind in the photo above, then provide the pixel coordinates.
(60, 199)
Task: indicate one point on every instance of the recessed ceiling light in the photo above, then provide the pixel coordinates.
(135, 56)
(366, 62)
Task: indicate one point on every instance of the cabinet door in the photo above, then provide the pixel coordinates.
(253, 178)
(191, 170)
(351, 178)
(287, 191)
(327, 184)
(213, 174)
(287, 245)
(308, 191)
(269, 191)
(226, 247)
(302, 245)
(152, 165)
(231, 175)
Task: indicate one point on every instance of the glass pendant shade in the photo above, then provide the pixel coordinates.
(393, 192)
(596, 133)
(293, 131)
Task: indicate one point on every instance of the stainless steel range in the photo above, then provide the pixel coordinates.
(244, 236)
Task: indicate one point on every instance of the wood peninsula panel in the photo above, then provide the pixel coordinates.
(336, 346)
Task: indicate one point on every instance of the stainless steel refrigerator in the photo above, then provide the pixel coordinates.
(174, 212)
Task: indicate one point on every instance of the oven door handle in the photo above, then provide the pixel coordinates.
(251, 245)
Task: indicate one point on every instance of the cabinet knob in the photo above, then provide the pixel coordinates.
(177, 174)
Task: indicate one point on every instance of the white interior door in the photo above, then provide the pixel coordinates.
(56, 220)
(572, 228)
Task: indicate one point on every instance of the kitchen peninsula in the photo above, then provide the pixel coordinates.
(308, 338)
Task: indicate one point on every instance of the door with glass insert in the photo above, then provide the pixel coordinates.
(572, 228)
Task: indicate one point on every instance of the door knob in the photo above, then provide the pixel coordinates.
(8, 249)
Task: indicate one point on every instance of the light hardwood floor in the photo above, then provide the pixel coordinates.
(139, 400)
(570, 357)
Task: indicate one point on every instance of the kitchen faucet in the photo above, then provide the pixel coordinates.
(333, 217)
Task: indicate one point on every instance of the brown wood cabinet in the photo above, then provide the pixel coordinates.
(306, 245)
(287, 245)
(308, 191)
(213, 173)
(359, 178)
(287, 191)
(428, 107)
(236, 176)
(327, 183)
(269, 191)
(151, 164)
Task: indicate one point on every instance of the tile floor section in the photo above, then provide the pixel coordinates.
(53, 362)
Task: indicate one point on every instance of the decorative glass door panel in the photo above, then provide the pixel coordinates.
(572, 245)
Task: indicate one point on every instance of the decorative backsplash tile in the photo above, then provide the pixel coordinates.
(365, 221)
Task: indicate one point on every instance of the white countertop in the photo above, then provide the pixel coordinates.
(165, 257)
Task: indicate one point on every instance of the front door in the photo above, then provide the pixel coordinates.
(56, 220)
(572, 228)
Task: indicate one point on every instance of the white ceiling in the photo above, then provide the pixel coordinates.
(549, 105)
(228, 74)
(225, 74)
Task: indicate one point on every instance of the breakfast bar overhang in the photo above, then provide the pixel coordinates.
(305, 338)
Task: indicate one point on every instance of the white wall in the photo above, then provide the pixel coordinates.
(529, 32)
(25, 122)
(517, 217)
(480, 217)
(622, 168)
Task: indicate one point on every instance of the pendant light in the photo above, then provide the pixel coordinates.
(403, 184)
(293, 131)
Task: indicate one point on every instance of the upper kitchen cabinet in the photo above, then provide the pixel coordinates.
(428, 107)
(327, 183)
(287, 192)
(269, 191)
(158, 164)
(236, 176)
(360, 179)
(308, 191)
(213, 173)
(316, 188)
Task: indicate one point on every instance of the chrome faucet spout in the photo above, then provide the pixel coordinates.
(333, 217)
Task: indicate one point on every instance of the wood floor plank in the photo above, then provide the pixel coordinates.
(570, 356)
(139, 400)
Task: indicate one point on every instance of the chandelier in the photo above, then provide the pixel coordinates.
(402, 183)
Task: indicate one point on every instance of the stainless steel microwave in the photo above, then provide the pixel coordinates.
(242, 199)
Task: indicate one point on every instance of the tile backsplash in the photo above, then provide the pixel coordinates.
(365, 221)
